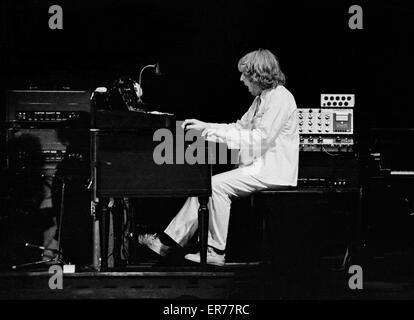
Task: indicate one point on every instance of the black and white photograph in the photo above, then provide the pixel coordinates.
(203, 157)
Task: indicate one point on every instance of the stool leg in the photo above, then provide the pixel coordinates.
(203, 229)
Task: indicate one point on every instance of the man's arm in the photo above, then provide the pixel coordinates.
(201, 126)
(256, 140)
(242, 123)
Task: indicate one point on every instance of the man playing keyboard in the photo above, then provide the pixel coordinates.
(267, 137)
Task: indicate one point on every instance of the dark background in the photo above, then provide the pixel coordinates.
(198, 44)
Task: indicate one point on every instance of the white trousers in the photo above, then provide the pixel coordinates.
(226, 185)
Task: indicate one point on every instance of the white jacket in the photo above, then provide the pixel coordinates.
(268, 138)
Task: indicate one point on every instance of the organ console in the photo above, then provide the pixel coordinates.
(122, 165)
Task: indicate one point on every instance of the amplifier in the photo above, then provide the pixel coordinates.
(329, 144)
(40, 106)
(50, 146)
(338, 100)
(33, 118)
(327, 130)
(325, 170)
(325, 121)
(45, 116)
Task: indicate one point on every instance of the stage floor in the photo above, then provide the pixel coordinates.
(143, 281)
(238, 281)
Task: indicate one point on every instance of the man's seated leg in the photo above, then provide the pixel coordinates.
(160, 243)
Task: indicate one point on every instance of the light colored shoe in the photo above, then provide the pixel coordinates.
(212, 257)
(153, 242)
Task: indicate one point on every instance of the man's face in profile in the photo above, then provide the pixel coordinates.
(252, 87)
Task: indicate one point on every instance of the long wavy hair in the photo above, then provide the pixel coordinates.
(262, 68)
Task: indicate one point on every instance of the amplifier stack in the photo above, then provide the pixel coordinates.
(36, 116)
(35, 140)
(47, 172)
(327, 143)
